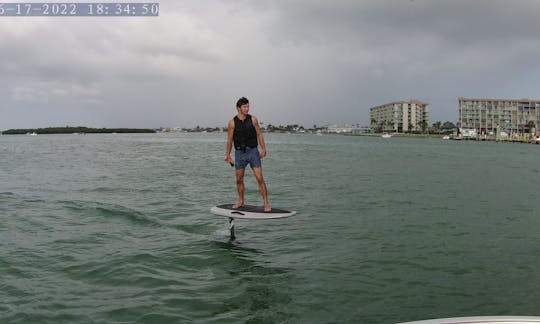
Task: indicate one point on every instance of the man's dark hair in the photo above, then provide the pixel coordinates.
(242, 101)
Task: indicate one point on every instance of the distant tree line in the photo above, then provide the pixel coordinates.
(437, 128)
(287, 128)
(71, 130)
(203, 129)
(442, 128)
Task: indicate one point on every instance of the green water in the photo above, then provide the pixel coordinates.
(116, 229)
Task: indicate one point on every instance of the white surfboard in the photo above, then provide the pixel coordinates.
(250, 212)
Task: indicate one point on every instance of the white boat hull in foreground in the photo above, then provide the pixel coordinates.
(482, 320)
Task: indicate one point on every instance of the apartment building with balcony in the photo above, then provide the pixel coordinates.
(490, 116)
(401, 116)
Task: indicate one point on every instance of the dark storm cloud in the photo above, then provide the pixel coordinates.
(300, 61)
(402, 49)
(456, 21)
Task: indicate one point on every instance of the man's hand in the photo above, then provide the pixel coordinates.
(229, 160)
(262, 154)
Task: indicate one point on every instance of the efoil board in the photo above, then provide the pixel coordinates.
(250, 212)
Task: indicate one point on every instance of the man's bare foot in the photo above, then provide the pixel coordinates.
(239, 204)
(267, 209)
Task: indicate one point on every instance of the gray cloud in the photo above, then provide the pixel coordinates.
(299, 61)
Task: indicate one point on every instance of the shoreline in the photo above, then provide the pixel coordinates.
(515, 139)
(74, 130)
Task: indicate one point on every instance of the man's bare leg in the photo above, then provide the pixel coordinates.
(262, 188)
(240, 188)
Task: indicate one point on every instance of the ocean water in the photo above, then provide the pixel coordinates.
(116, 229)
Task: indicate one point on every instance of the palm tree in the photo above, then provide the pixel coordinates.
(423, 124)
(381, 125)
(531, 124)
(437, 126)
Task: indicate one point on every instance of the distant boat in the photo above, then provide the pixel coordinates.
(386, 135)
(32, 134)
(446, 137)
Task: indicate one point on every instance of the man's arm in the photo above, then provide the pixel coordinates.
(259, 136)
(230, 133)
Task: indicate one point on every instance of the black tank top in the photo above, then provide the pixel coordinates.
(244, 134)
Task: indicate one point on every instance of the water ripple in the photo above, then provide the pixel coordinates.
(112, 229)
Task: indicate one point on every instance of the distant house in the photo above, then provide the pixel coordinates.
(338, 129)
(468, 132)
(347, 129)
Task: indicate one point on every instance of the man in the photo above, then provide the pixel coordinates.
(246, 134)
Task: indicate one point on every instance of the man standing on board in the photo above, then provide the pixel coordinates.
(246, 134)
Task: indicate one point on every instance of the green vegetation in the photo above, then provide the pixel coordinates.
(199, 129)
(437, 128)
(440, 128)
(269, 128)
(80, 129)
(281, 129)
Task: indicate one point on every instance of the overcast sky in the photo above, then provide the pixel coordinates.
(298, 61)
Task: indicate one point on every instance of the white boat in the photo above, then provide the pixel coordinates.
(386, 135)
(481, 319)
(446, 137)
(32, 134)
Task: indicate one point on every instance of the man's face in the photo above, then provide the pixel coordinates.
(244, 109)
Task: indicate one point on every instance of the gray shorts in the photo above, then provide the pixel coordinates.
(244, 157)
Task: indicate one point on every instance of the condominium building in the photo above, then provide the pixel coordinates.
(401, 116)
(487, 116)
